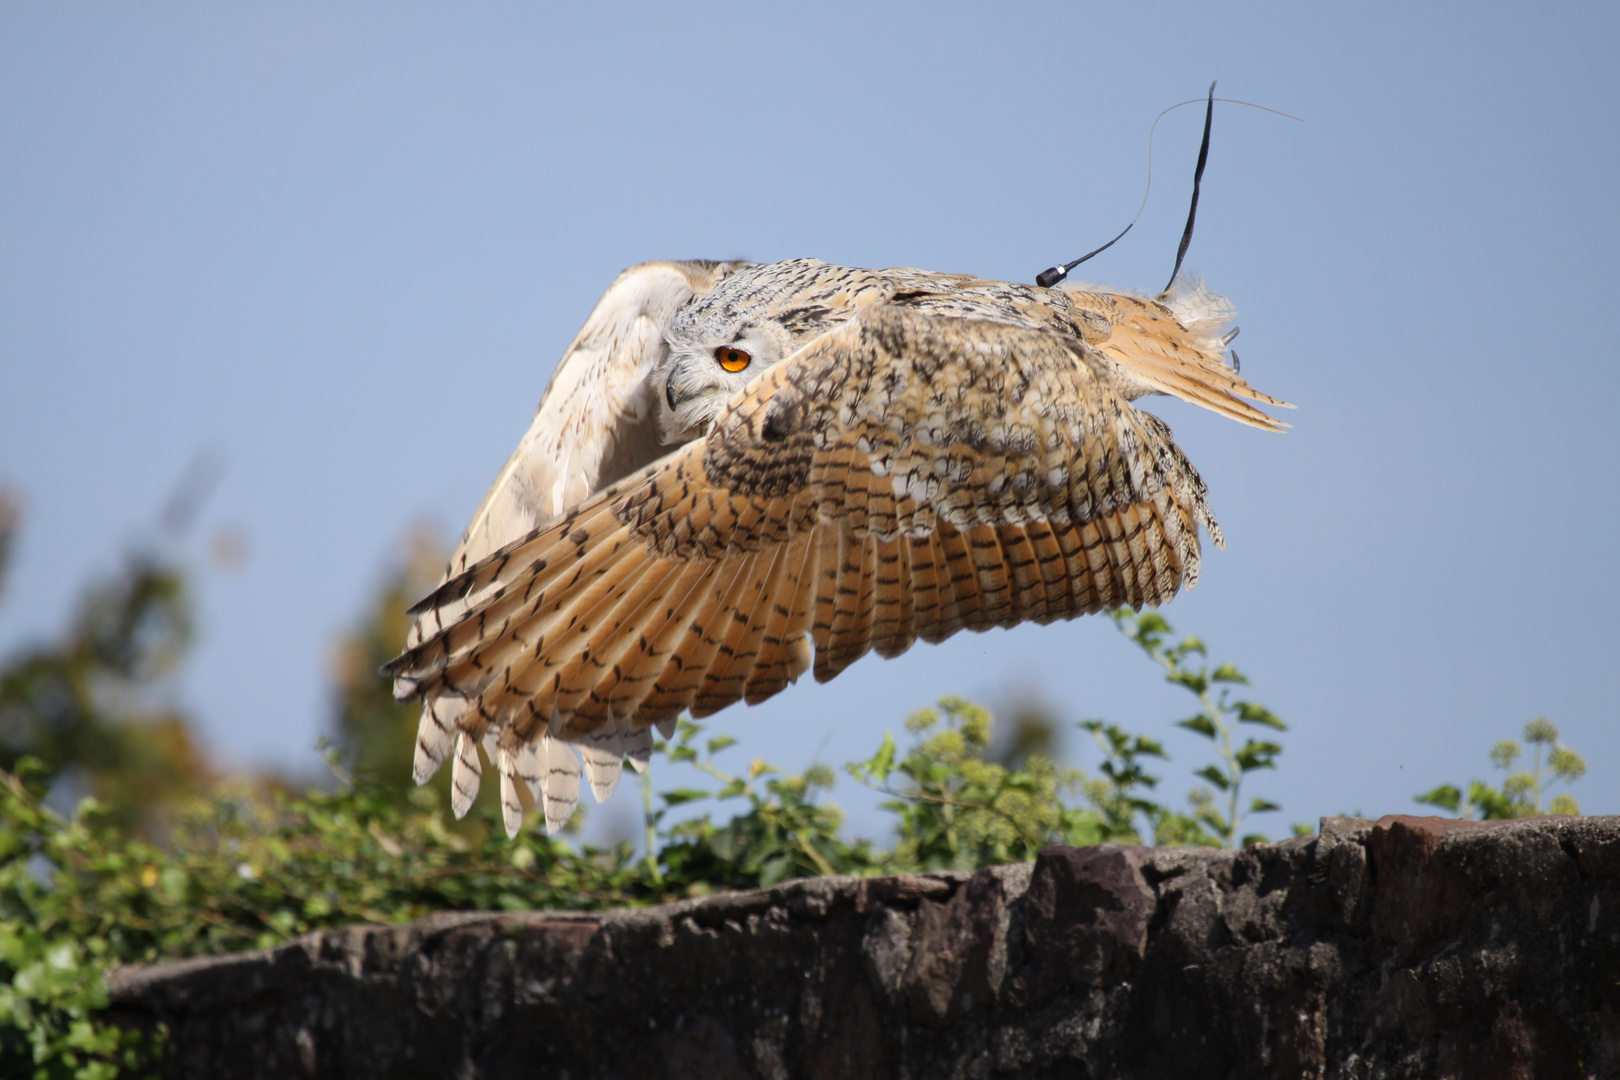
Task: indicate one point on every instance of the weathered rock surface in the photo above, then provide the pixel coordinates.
(1409, 947)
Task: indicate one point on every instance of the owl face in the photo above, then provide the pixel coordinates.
(706, 368)
(717, 345)
(755, 318)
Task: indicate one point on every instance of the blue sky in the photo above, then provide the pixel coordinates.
(342, 246)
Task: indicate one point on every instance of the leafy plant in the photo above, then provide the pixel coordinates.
(251, 866)
(1115, 794)
(53, 981)
(89, 706)
(782, 833)
(243, 868)
(1217, 720)
(958, 810)
(1521, 792)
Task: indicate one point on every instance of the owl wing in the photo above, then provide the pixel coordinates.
(907, 475)
(596, 422)
(1174, 345)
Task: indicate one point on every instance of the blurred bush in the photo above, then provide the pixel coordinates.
(1523, 790)
(92, 708)
(375, 736)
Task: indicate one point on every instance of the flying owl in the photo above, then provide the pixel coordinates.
(740, 473)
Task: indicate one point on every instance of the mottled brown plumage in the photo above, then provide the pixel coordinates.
(921, 454)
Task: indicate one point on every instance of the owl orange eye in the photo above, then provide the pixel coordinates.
(732, 359)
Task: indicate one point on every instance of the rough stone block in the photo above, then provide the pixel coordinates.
(1407, 947)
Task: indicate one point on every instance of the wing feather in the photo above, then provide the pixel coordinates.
(925, 586)
(849, 632)
(894, 617)
(745, 636)
(784, 623)
(962, 579)
(788, 635)
(676, 688)
(1174, 347)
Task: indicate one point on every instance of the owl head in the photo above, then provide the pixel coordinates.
(722, 341)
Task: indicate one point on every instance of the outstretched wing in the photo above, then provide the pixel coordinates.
(596, 422)
(907, 475)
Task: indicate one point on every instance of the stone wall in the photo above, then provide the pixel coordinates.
(1407, 947)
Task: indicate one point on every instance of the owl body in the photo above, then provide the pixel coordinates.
(740, 473)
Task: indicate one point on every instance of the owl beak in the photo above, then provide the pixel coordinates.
(674, 392)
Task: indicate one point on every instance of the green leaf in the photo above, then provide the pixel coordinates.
(1493, 805)
(1251, 713)
(719, 743)
(682, 795)
(1228, 673)
(1257, 755)
(1082, 828)
(1202, 723)
(880, 764)
(1214, 776)
(1148, 747)
(1261, 806)
(174, 882)
(1152, 622)
(1196, 681)
(1446, 796)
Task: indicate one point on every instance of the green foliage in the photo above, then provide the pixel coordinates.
(957, 810)
(89, 707)
(1217, 720)
(53, 971)
(1522, 791)
(251, 866)
(780, 832)
(375, 734)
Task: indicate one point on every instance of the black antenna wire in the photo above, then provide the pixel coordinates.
(1198, 177)
(1054, 274)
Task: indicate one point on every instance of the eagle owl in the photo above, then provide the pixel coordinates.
(740, 473)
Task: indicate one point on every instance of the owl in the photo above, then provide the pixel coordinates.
(741, 473)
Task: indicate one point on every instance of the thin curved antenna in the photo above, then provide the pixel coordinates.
(1198, 178)
(1054, 274)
